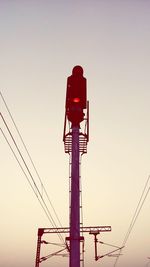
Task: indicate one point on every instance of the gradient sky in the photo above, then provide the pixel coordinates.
(40, 42)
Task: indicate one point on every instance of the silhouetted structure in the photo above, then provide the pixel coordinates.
(76, 102)
(75, 137)
(76, 96)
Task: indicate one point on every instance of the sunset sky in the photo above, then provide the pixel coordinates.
(40, 43)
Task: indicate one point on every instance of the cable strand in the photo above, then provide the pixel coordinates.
(135, 216)
(25, 147)
(27, 151)
(34, 183)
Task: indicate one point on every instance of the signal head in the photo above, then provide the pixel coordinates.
(77, 71)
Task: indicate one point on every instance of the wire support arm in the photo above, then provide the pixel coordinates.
(109, 254)
(86, 229)
(51, 255)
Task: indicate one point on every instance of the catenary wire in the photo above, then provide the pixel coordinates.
(136, 213)
(135, 216)
(45, 209)
(35, 192)
(27, 151)
(18, 162)
(38, 191)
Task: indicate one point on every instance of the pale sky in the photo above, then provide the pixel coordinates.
(40, 43)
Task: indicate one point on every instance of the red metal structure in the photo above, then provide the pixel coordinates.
(76, 104)
(66, 230)
(75, 137)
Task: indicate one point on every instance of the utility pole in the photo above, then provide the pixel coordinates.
(75, 201)
(75, 104)
(75, 137)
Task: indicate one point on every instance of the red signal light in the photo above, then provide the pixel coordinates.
(76, 100)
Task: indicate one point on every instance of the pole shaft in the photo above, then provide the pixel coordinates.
(38, 250)
(95, 241)
(75, 201)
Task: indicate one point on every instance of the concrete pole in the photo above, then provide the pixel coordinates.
(75, 201)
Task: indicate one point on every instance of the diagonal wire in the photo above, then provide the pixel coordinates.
(136, 211)
(51, 255)
(38, 191)
(108, 244)
(25, 147)
(136, 214)
(18, 162)
(35, 192)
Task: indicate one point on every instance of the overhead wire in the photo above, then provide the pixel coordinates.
(135, 215)
(51, 255)
(137, 211)
(27, 151)
(37, 193)
(18, 161)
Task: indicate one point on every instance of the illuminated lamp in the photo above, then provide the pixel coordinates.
(76, 100)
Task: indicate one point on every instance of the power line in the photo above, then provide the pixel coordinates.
(27, 151)
(37, 193)
(18, 162)
(137, 211)
(135, 215)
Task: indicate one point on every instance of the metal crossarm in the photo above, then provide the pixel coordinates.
(64, 230)
(89, 229)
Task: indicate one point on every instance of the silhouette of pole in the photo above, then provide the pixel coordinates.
(75, 104)
(75, 201)
(40, 233)
(75, 144)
